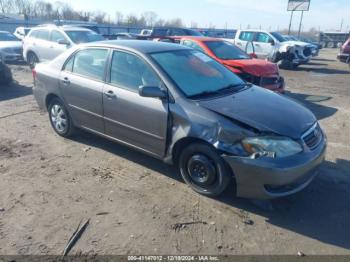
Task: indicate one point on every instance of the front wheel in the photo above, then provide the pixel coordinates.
(204, 170)
(60, 119)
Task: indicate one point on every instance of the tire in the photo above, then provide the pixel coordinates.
(32, 60)
(60, 119)
(204, 170)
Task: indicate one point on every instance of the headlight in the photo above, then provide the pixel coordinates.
(271, 145)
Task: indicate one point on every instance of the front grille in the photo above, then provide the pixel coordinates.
(269, 80)
(313, 137)
(307, 51)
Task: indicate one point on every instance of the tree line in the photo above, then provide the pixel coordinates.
(41, 9)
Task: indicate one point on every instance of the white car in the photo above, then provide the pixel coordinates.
(21, 32)
(46, 42)
(274, 47)
(10, 47)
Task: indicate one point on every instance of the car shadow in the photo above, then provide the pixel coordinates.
(321, 211)
(326, 71)
(312, 103)
(323, 59)
(14, 90)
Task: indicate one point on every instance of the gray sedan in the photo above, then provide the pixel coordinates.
(181, 106)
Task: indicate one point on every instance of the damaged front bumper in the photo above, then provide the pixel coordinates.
(267, 178)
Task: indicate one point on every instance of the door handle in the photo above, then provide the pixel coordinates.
(66, 81)
(257, 45)
(110, 94)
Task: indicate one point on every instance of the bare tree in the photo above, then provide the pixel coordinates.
(150, 18)
(119, 18)
(99, 17)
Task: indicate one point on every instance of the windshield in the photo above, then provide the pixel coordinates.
(226, 51)
(278, 36)
(4, 36)
(80, 37)
(196, 74)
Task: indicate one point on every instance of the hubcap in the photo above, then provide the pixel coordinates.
(201, 170)
(58, 118)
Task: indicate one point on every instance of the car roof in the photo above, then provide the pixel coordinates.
(201, 38)
(143, 46)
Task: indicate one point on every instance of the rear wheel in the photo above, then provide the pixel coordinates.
(32, 59)
(60, 119)
(204, 170)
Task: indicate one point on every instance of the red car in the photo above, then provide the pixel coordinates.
(255, 71)
(344, 55)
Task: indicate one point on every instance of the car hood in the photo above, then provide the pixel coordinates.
(12, 44)
(264, 110)
(256, 67)
(294, 43)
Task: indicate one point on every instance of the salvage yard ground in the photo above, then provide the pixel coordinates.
(137, 204)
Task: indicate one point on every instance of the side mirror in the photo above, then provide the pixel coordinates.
(63, 42)
(151, 91)
(272, 42)
(253, 55)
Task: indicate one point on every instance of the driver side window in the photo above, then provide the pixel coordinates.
(56, 36)
(130, 72)
(263, 38)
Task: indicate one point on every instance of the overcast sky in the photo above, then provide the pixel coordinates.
(269, 14)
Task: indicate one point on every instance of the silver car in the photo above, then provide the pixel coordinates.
(46, 42)
(181, 106)
(10, 47)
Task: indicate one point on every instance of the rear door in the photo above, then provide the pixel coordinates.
(243, 38)
(138, 121)
(264, 45)
(81, 84)
(42, 44)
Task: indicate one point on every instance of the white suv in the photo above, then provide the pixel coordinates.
(44, 43)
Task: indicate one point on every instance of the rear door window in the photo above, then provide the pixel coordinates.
(246, 36)
(89, 63)
(43, 34)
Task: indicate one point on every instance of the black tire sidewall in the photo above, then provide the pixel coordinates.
(224, 174)
(32, 58)
(70, 128)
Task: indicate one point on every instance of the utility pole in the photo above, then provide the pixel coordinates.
(290, 22)
(301, 22)
(341, 24)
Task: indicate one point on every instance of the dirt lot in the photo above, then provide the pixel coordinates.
(49, 184)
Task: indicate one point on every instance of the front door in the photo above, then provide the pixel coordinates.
(264, 45)
(81, 83)
(137, 121)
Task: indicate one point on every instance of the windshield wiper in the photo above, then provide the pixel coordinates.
(234, 87)
(227, 89)
(204, 94)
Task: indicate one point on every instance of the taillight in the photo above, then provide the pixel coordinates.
(34, 73)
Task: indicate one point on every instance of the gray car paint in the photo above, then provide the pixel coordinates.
(220, 122)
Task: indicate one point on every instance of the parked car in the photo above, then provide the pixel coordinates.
(146, 32)
(165, 32)
(315, 50)
(273, 46)
(44, 43)
(256, 71)
(10, 48)
(344, 54)
(124, 36)
(5, 74)
(21, 32)
(180, 105)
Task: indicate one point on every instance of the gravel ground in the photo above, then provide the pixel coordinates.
(136, 204)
